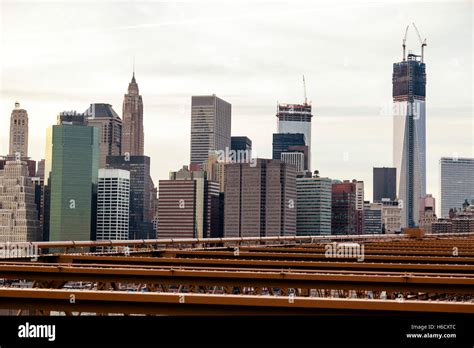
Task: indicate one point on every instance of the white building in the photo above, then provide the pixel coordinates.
(391, 216)
(18, 212)
(313, 203)
(113, 200)
(295, 158)
(457, 183)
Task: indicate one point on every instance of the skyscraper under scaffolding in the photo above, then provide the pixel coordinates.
(409, 142)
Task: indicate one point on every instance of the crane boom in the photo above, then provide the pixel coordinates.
(404, 42)
(422, 42)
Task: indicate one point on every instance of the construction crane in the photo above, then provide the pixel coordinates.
(304, 88)
(423, 42)
(404, 42)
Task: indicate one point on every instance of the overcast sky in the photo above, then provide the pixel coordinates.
(64, 55)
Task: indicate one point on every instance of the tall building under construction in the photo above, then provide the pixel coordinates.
(296, 119)
(409, 129)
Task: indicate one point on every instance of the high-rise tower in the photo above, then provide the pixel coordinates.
(132, 118)
(109, 124)
(296, 118)
(210, 127)
(19, 132)
(409, 128)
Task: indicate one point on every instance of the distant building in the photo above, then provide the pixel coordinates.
(391, 216)
(442, 226)
(71, 173)
(295, 158)
(385, 183)
(210, 127)
(133, 136)
(260, 200)
(409, 134)
(141, 192)
(457, 182)
(189, 206)
(459, 221)
(242, 145)
(290, 143)
(18, 132)
(113, 200)
(215, 170)
(373, 218)
(104, 117)
(296, 118)
(18, 212)
(347, 207)
(313, 206)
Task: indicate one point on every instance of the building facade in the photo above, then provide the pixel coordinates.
(457, 183)
(385, 183)
(18, 212)
(391, 216)
(141, 191)
(373, 223)
(104, 117)
(409, 135)
(18, 132)
(133, 136)
(113, 201)
(210, 127)
(71, 173)
(296, 118)
(347, 207)
(260, 200)
(313, 214)
(189, 206)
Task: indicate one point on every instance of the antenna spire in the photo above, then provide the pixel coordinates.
(304, 88)
(133, 76)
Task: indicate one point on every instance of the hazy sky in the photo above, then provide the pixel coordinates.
(64, 55)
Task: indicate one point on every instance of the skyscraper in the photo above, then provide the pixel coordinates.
(18, 212)
(210, 127)
(373, 218)
(457, 182)
(104, 117)
(385, 183)
(113, 200)
(347, 207)
(242, 145)
(133, 137)
(189, 206)
(71, 172)
(260, 200)
(296, 118)
(141, 190)
(313, 202)
(409, 149)
(19, 132)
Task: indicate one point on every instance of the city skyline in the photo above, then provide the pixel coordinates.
(337, 108)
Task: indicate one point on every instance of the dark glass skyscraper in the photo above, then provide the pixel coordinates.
(385, 183)
(141, 214)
